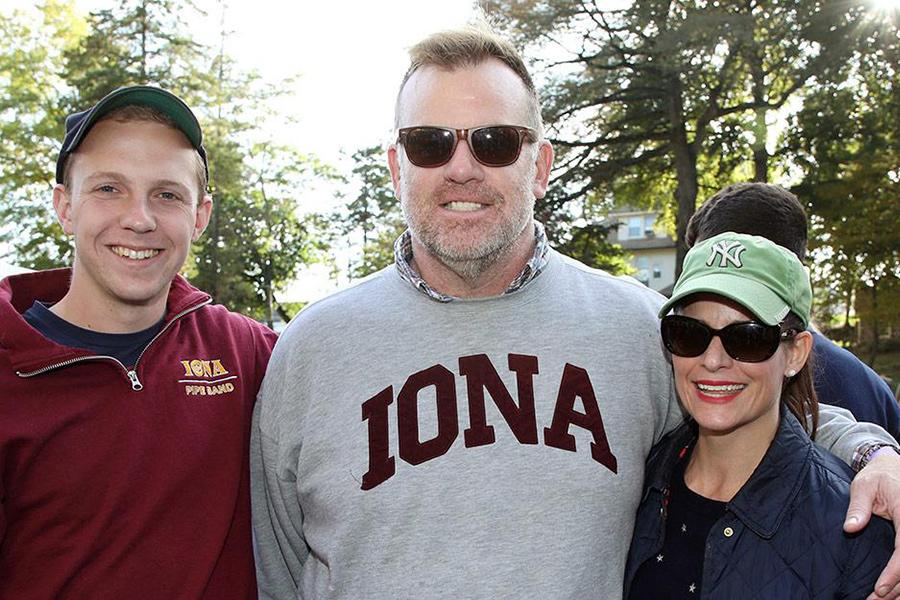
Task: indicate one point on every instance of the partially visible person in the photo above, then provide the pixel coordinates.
(739, 503)
(770, 211)
(125, 395)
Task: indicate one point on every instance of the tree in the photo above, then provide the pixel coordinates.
(374, 212)
(273, 238)
(137, 42)
(257, 239)
(639, 96)
(31, 119)
(846, 141)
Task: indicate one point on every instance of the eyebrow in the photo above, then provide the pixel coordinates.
(107, 175)
(170, 183)
(116, 176)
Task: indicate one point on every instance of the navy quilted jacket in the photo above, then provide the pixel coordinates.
(786, 539)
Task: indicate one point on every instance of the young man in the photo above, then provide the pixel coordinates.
(125, 395)
(473, 421)
(772, 212)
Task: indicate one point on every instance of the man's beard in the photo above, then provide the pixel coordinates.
(470, 261)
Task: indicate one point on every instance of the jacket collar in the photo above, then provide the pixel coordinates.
(666, 454)
(765, 499)
(28, 349)
(768, 495)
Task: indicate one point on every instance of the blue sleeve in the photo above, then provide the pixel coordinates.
(841, 379)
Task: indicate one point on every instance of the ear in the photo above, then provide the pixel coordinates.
(798, 351)
(394, 166)
(543, 162)
(204, 212)
(62, 204)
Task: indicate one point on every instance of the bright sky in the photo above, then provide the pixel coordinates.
(350, 56)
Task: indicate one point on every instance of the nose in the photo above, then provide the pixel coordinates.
(138, 215)
(715, 356)
(463, 167)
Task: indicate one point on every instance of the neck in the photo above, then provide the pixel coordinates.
(721, 464)
(107, 316)
(461, 282)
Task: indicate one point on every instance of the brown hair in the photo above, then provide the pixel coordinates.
(755, 208)
(469, 46)
(139, 112)
(798, 392)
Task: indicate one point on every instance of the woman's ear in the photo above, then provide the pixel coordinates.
(798, 353)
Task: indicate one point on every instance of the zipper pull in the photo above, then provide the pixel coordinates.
(136, 384)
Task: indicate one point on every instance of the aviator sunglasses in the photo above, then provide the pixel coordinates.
(492, 146)
(749, 341)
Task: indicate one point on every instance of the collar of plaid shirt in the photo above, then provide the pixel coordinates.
(403, 255)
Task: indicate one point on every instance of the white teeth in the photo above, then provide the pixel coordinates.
(463, 206)
(720, 388)
(134, 254)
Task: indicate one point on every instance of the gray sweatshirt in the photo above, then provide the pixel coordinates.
(485, 448)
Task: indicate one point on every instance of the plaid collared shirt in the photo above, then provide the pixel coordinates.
(403, 255)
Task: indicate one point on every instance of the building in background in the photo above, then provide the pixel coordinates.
(652, 249)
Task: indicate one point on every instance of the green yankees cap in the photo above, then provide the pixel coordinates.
(753, 271)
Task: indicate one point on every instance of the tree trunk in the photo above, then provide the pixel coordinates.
(849, 301)
(143, 21)
(686, 170)
(215, 236)
(873, 352)
(760, 129)
(269, 296)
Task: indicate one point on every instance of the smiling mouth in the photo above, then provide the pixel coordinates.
(727, 389)
(134, 254)
(719, 393)
(464, 206)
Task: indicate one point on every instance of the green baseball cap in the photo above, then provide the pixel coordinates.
(768, 280)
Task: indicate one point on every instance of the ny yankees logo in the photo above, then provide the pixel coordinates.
(729, 252)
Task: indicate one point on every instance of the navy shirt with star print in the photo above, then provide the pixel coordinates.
(677, 569)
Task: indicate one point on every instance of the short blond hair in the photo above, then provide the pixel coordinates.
(469, 46)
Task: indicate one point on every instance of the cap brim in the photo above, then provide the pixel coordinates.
(756, 297)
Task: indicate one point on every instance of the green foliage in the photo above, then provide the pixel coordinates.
(590, 244)
(640, 95)
(374, 213)
(846, 141)
(137, 42)
(288, 310)
(31, 129)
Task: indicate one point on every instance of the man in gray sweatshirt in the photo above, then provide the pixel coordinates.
(471, 422)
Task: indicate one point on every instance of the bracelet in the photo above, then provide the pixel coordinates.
(869, 453)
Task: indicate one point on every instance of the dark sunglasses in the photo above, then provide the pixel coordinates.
(492, 146)
(750, 341)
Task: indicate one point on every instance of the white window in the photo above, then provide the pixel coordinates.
(635, 225)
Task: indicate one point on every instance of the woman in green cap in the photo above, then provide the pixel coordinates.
(738, 502)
